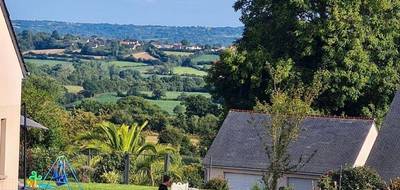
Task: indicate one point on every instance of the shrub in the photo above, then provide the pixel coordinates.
(352, 178)
(171, 135)
(394, 184)
(193, 175)
(111, 177)
(217, 184)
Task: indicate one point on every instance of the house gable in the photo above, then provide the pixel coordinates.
(333, 142)
(6, 27)
(385, 154)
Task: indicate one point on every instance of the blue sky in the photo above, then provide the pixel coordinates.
(140, 12)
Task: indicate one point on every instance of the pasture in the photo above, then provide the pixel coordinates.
(178, 53)
(205, 58)
(188, 71)
(73, 88)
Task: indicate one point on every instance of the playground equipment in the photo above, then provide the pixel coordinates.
(33, 180)
(60, 169)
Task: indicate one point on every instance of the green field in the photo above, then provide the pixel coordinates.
(173, 95)
(205, 58)
(188, 71)
(110, 97)
(46, 62)
(127, 64)
(166, 105)
(101, 186)
(73, 88)
(178, 53)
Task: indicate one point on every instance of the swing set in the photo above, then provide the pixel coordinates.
(60, 168)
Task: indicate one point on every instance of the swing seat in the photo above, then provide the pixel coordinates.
(61, 181)
(45, 186)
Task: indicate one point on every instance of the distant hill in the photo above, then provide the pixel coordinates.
(195, 34)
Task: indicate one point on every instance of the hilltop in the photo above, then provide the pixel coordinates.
(195, 34)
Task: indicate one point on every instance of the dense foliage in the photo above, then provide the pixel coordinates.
(352, 178)
(356, 42)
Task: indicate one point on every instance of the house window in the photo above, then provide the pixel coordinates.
(301, 183)
(2, 146)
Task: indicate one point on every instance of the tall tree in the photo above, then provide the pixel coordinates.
(356, 41)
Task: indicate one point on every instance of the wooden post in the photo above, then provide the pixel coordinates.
(126, 172)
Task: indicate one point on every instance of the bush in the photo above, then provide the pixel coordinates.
(394, 184)
(193, 175)
(352, 178)
(111, 177)
(217, 184)
(171, 135)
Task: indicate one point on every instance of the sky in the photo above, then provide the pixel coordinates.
(139, 12)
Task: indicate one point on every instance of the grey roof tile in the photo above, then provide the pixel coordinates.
(241, 140)
(385, 155)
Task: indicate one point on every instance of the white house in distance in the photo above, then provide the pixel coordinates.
(238, 152)
(12, 71)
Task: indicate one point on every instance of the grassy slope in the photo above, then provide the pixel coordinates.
(178, 53)
(73, 88)
(205, 58)
(46, 62)
(188, 71)
(174, 94)
(166, 105)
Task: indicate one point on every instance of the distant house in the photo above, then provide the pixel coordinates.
(238, 152)
(131, 44)
(12, 71)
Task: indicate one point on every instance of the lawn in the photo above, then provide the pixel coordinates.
(173, 95)
(73, 88)
(188, 71)
(101, 186)
(46, 62)
(205, 58)
(178, 53)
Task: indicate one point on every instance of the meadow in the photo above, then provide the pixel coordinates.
(178, 53)
(173, 95)
(205, 58)
(73, 88)
(188, 71)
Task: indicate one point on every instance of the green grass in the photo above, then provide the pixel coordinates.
(178, 53)
(109, 97)
(188, 71)
(73, 88)
(205, 58)
(127, 64)
(46, 62)
(173, 95)
(166, 105)
(101, 186)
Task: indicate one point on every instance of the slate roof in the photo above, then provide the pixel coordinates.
(241, 140)
(10, 28)
(385, 155)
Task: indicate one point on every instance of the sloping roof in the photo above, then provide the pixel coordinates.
(30, 123)
(385, 155)
(241, 140)
(6, 16)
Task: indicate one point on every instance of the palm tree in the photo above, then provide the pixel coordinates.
(125, 139)
(152, 167)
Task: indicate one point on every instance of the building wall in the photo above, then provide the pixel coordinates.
(216, 172)
(10, 100)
